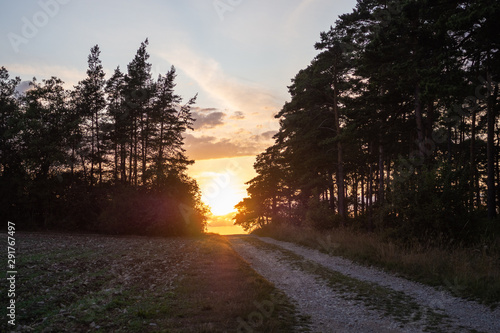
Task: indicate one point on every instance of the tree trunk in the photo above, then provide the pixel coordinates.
(419, 121)
(98, 146)
(136, 156)
(131, 157)
(472, 170)
(449, 144)
(340, 155)
(159, 166)
(355, 196)
(388, 178)
(144, 148)
(72, 166)
(92, 151)
(370, 198)
(332, 192)
(381, 174)
(490, 148)
(83, 167)
(123, 161)
(362, 194)
(116, 159)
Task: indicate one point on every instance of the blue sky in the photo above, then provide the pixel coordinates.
(238, 55)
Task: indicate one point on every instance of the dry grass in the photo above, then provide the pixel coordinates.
(467, 272)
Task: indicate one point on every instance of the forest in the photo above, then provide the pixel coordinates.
(392, 128)
(106, 156)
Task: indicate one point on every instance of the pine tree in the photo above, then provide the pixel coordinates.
(138, 92)
(90, 102)
(114, 92)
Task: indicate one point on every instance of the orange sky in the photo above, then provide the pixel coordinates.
(222, 183)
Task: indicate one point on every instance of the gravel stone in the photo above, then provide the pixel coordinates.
(331, 311)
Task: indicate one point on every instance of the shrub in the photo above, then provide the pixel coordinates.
(320, 216)
(142, 212)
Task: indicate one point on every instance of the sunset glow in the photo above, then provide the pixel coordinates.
(221, 199)
(222, 182)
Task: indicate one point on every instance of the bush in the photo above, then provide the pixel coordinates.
(432, 204)
(141, 212)
(319, 215)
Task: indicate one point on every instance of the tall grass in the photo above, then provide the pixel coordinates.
(470, 272)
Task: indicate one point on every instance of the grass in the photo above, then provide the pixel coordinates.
(75, 283)
(223, 290)
(401, 307)
(472, 273)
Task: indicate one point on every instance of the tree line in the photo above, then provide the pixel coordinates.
(392, 127)
(105, 156)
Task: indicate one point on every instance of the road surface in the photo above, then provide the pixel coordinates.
(340, 296)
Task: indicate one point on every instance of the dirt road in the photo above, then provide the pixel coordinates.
(340, 296)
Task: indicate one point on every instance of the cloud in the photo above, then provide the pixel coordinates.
(268, 135)
(265, 137)
(223, 220)
(207, 109)
(70, 76)
(23, 87)
(210, 120)
(210, 147)
(209, 75)
(297, 15)
(238, 115)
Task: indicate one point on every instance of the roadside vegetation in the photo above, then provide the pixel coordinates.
(75, 283)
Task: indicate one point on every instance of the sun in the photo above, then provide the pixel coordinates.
(222, 182)
(221, 193)
(223, 203)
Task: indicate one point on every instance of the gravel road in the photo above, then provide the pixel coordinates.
(341, 296)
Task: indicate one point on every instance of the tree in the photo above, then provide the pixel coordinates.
(138, 91)
(170, 120)
(114, 92)
(90, 103)
(45, 143)
(11, 172)
(107, 156)
(392, 106)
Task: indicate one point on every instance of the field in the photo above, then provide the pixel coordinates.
(77, 283)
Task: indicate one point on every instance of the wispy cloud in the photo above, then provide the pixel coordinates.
(238, 115)
(70, 76)
(235, 93)
(211, 147)
(297, 14)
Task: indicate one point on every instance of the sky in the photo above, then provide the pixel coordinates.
(239, 56)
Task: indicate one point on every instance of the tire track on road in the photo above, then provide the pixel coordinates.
(357, 301)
